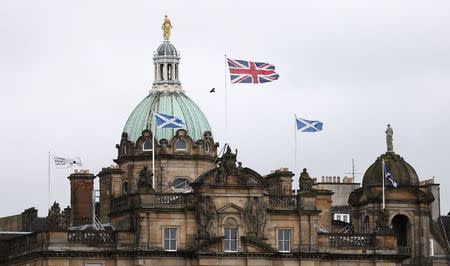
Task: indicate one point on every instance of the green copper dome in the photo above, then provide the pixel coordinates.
(171, 103)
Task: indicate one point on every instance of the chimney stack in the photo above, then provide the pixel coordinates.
(81, 187)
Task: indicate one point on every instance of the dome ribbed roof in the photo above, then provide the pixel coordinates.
(402, 172)
(166, 48)
(171, 103)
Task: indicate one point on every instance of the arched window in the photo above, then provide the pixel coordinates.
(147, 146)
(169, 71)
(231, 233)
(124, 187)
(400, 225)
(176, 71)
(181, 145)
(181, 183)
(207, 147)
(161, 71)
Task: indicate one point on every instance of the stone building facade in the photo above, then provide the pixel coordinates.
(174, 198)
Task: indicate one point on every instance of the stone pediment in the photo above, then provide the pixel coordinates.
(243, 177)
(230, 208)
(229, 172)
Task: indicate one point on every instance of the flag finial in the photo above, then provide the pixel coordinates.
(166, 27)
(389, 133)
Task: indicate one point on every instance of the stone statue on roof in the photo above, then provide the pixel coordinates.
(389, 134)
(145, 182)
(166, 26)
(305, 182)
(227, 166)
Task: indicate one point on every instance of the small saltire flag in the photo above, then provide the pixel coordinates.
(167, 121)
(242, 71)
(388, 176)
(61, 162)
(308, 125)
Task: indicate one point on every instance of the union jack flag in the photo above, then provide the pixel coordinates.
(242, 71)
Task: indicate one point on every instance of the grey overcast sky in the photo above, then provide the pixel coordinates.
(71, 72)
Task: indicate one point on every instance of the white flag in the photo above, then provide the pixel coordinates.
(61, 162)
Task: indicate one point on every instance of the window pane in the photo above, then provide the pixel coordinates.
(233, 234)
(166, 233)
(287, 234)
(181, 145)
(233, 246)
(166, 244)
(147, 145)
(227, 245)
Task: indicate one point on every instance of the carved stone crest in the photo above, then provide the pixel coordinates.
(305, 182)
(145, 183)
(255, 215)
(205, 211)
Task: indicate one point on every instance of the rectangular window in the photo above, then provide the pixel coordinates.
(170, 239)
(284, 240)
(230, 241)
(345, 216)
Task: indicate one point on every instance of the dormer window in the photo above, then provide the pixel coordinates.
(181, 145)
(147, 146)
(180, 183)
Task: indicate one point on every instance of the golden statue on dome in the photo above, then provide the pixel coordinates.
(166, 26)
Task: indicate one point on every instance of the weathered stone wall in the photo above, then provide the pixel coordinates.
(11, 223)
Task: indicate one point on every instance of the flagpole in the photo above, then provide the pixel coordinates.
(226, 100)
(295, 143)
(382, 171)
(48, 192)
(153, 150)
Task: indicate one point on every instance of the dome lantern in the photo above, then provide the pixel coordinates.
(166, 62)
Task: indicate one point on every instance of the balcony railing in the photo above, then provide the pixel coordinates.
(283, 201)
(349, 240)
(156, 200)
(91, 236)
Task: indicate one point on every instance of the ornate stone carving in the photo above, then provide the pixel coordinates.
(305, 182)
(145, 183)
(55, 218)
(255, 215)
(227, 166)
(205, 212)
(389, 138)
(382, 223)
(241, 175)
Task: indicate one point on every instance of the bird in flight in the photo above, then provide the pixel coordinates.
(212, 90)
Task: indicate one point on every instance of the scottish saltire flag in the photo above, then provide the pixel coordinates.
(61, 162)
(308, 125)
(242, 71)
(167, 121)
(388, 176)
